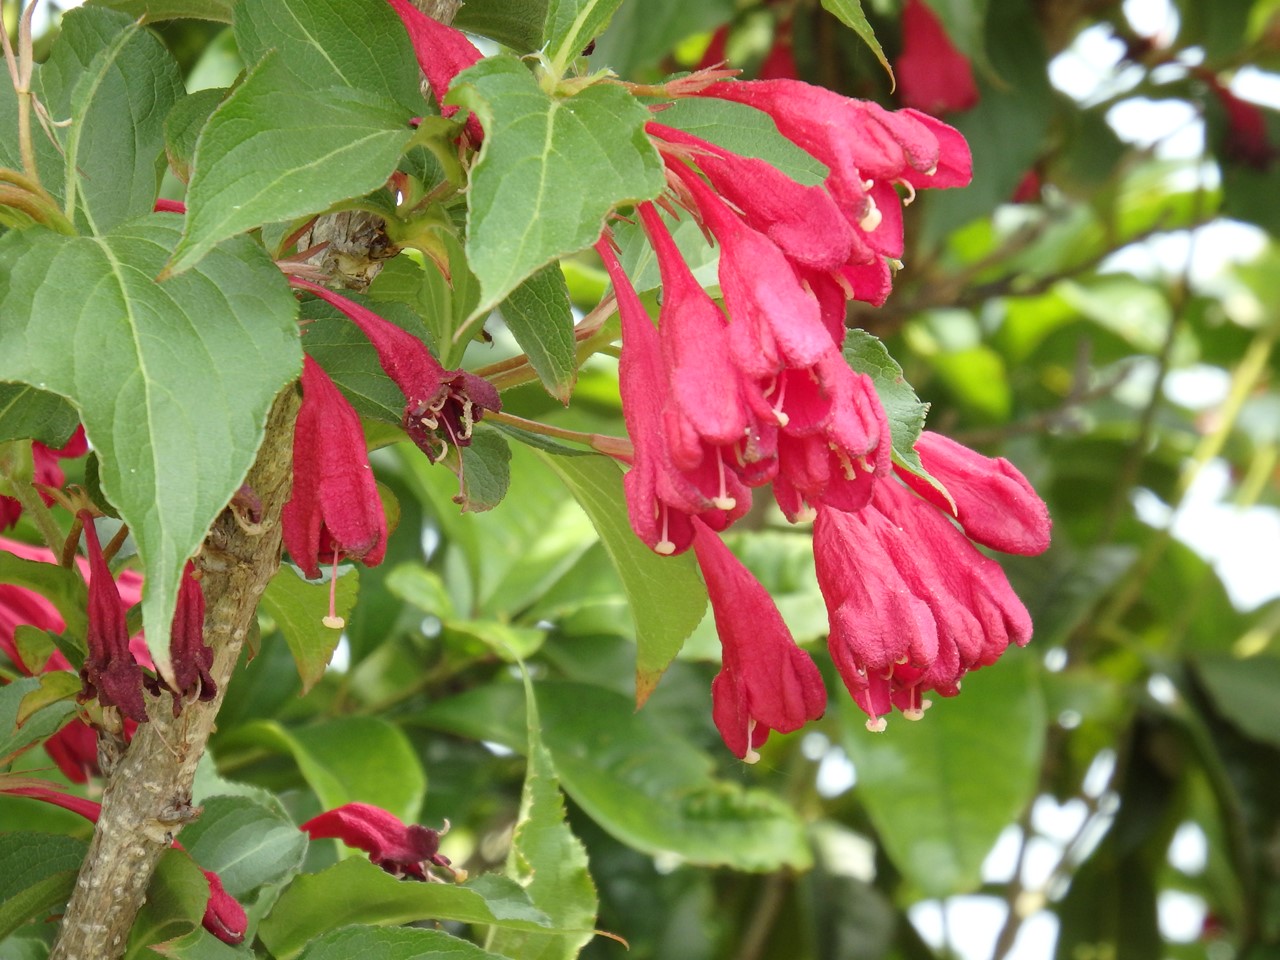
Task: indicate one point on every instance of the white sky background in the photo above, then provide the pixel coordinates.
(1243, 544)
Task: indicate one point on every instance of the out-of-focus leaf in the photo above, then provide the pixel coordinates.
(1244, 691)
(648, 787)
(850, 14)
(37, 873)
(154, 10)
(357, 891)
(940, 791)
(641, 34)
(393, 944)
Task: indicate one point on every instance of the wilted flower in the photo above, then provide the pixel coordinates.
(403, 850)
(192, 659)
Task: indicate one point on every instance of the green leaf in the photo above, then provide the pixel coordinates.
(244, 843)
(357, 891)
(298, 608)
(940, 791)
(117, 83)
(393, 944)
(37, 874)
(1244, 691)
(641, 34)
(539, 316)
(44, 723)
(173, 381)
(667, 596)
(277, 149)
(905, 411)
(351, 759)
(183, 125)
(571, 25)
(517, 24)
(174, 906)
(26, 412)
(151, 11)
(849, 12)
(643, 784)
(486, 471)
(57, 688)
(746, 131)
(358, 45)
(550, 171)
(547, 859)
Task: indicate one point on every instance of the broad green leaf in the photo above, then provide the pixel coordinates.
(939, 791)
(571, 25)
(244, 843)
(351, 759)
(849, 12)
(173, 381)
(276, 149)
(1244, 691)
(905, 411)
(26, 412)
(298, 608)
(44, 723)
(393, 944)
(357, 891)
(57, 688)
(37, 873)
(550, 171)
(486, 471)
(539, 316)
(517, 24)
(114, 144)
(667, 596)
(645, 785)
(151, 11)
(746, 131)
(547, 859)
(358, 44)
(183, 125)
(175, 903)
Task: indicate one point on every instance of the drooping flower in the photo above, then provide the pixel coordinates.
(994, 503)
(403, 850)
(933, 75)
(110, 673)
(766, 682)
(46, 473)
(913, 605)
(192, 659)
(224, 917)
(442, 54)
(334, 510)
(441, 406)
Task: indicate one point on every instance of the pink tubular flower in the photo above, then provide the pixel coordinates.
(994, 503)
(224, 917)
(766, 682)
(334, 510)
(913, 604)
(442, 53)
(933, 75)
(403, 850)
(441, 405)
(110, 671)
(47, 473)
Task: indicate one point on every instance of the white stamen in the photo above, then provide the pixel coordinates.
(806, 514)
(871, 219)
(333, 623)
(877, 724)
(751, 756)
(911, 193)
(915, 713)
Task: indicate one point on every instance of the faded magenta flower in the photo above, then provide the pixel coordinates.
(994, 503)
(913, 605)
(334, 510)
(933, 75)
(442, 53)
(403, 850)
(110, 673)
(442, 406)
(766, 682)
(191, 658)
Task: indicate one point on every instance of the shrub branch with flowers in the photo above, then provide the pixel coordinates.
(621, 322)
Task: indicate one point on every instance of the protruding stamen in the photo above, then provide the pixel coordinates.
(846, 465)
(333, 621)
(911, 193)
(723, 501)
(806, 514)
(871, 219)
(664, 546)
(751, 756)
(877, 724)
(913, 713)
(778, 415)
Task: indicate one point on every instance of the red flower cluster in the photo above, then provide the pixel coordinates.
(720, 401)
